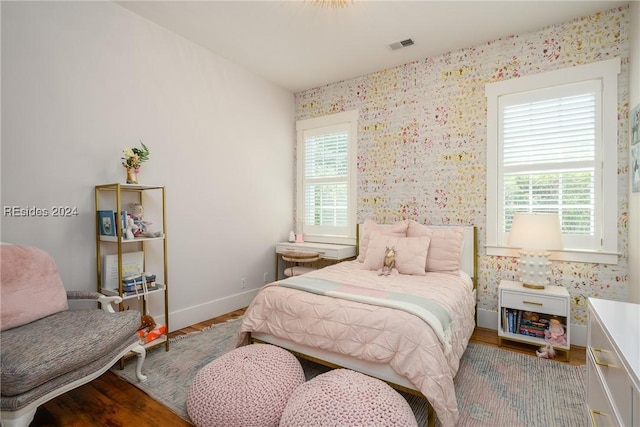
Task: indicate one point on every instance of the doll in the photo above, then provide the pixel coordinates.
(555, 335)
(137, 213)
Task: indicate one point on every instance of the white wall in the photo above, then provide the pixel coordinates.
(81, 81)
(634, 198)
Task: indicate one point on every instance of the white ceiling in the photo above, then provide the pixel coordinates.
(300, 45)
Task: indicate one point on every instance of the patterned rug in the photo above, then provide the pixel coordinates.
(494, 387)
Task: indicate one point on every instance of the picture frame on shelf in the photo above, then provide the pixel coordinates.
(107, 223)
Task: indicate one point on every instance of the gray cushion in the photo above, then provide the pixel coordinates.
(14, 403)
(40, 351)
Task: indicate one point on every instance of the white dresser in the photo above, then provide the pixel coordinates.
(613, 363)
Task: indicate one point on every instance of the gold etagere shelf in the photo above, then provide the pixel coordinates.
(111, 196)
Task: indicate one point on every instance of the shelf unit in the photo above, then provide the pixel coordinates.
(113, 197)
(550, 302)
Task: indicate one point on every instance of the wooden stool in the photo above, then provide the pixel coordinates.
(297, 258)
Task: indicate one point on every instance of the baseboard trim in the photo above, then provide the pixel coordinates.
(489, 319)
(191, 315)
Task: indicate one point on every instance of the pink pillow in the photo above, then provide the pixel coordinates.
(30, 286)
(411, 253)
(398, 229)
(445, 248)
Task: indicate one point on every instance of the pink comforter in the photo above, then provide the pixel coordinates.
(375, 333)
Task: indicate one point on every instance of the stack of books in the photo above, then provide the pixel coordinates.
(138, 284)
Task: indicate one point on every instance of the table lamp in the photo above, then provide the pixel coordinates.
(535, 234)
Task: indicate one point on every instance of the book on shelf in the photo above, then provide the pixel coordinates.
(531, 332)
(516, 321)
(139, 284)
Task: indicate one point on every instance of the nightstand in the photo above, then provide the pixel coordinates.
(524, 314)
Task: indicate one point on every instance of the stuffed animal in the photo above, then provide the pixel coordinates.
(130, 229)
(147, 323)
(389, 263)
(546, 352)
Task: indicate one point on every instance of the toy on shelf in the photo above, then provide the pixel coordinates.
(155, 333)
(137, 213)
(147, 323)
(149, 330)
(555, 335)
(130, 228)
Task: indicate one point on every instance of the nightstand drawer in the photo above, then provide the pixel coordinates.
(538, 303)
(611, 370)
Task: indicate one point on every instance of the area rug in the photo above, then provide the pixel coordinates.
(494, 387)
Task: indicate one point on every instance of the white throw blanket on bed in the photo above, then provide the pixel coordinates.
(430, 311)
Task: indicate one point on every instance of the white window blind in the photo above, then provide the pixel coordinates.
(549, 140)
(552, 146)
(326, 178)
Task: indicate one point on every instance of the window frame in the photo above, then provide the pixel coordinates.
(350, 118)
(607, 202)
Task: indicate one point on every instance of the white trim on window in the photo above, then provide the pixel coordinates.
(333, 131)
(604, 249)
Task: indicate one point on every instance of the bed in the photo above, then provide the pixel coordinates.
(409, 328)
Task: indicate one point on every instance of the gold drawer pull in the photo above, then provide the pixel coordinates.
(593, 413)
(597, 359)
(532, 303)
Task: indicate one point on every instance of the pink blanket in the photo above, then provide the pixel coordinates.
(375, 333)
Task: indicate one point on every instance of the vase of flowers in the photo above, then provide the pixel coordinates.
(133, 158)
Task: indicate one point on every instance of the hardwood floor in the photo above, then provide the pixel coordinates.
(109, 401)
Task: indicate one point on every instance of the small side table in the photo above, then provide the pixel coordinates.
(514, 300)
(297, 258)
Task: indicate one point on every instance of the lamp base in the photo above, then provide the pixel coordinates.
(534, 268)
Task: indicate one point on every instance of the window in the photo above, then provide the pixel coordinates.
(326, 178)
(552, 147)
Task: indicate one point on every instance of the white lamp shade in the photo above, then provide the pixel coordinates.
(535, 231)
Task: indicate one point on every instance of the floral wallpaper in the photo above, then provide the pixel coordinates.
(422, 140)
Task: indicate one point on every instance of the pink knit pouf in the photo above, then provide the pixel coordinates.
(247, 387)
(346, 398)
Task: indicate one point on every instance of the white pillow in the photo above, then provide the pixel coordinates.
(398, 229)
(445, 248)
(411, 253)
